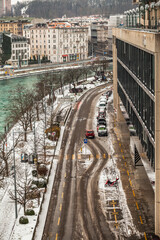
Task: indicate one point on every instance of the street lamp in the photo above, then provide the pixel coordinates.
(50, 85)
(19, 59)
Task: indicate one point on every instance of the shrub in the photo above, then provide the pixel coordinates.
(42, 170)
(42, 183)
(23, 220)
(35, 182)
(34, 173)
(30, 212)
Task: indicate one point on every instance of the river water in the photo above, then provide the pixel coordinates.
(10, 84)
(5, 90)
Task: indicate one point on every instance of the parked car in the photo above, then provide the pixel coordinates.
(103, 100)
(102, 115)
(102, 106)
(101, 121)
(100, 126)
(102, 131)
(90, 134)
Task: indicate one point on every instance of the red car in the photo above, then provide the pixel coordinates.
(90, 134)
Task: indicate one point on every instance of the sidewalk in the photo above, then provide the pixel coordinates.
(136, 183)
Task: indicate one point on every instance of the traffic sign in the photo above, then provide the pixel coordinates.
(85, 140)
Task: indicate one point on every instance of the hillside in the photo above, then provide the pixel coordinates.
(58, 8)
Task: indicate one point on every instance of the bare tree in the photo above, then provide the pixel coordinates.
(70, 76)
(24, 191)
(5, 154)
(95, 66)
(21, 108)
(85, 71)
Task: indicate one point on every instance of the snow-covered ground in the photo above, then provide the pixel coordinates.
(10, 227)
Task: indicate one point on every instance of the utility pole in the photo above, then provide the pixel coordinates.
(15, 186)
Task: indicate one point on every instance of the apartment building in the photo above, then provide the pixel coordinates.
(57, 41)
(13, 26)
(136, 74)
(20, 51)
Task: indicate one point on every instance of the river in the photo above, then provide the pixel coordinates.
(5, 90)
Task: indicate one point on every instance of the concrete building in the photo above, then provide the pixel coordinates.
(57, 41)
(13, 26)
(20, 51)
(136, 76)
(114, 21)
(5, 7)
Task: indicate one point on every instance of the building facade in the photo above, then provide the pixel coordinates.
(20, 51)
(136, 74)
(58, 42)
(13, 26)
(5, 48)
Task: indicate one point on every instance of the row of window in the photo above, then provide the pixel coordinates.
(19, 45)
(146, 143)
(140, 62)
(142, 102)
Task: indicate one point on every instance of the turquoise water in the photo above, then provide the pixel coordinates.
(5, 90)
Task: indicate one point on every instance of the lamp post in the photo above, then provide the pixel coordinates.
(19, 59)
(15, 185)
(50, 85)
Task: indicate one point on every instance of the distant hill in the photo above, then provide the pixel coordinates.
(71, 8)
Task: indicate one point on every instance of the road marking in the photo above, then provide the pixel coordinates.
(113, 202)
(114, 213)
(127, 172)
(123, 156)
(133, 193)
(63, 184)
(141, 219)
(73, 156)
(78, 106)
(104, 155)
(97, 156)
(130, 182)
(58, 221)
(56, 236)
(60, 207)
(62, 194)
(145, 236)
(137, 205)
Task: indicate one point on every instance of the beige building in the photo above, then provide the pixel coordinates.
(13, 26)
(57, 41)
(136, 73)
